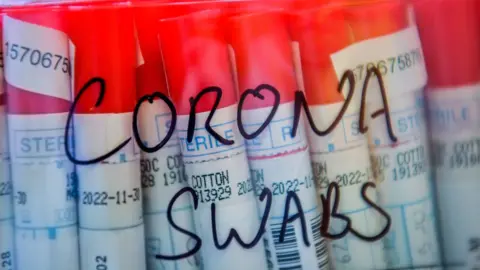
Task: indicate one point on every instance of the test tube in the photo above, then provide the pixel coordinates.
(196, 57)
(37, 74)
(110, 195)
(342, 156)
(262, 55)
(163, 173)
(398, 136)
(7, 258)
(452, 58)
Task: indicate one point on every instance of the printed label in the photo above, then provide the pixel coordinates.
(43, 180)
(217, 173)
(118, 249)
(44, 184)
(47, 244)
(401, 168)
(281, 163)
(163, 175)
(29, 52)
(455, 135)
(7, 259)
(405, 186)
(6, 190)
(110, 208)
(98, 134)
(397, 56)
(342, 157)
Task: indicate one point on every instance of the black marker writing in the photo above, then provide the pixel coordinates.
(288, 219)
(300, 101)
(380, 210)
(135, 121)
(333, 192)
(234, 234)
(101, 95)
(256, 93)
(385, 110)
(197, 239)
(191, 120)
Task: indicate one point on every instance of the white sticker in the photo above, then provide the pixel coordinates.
(6, 190)
(36, 58)
(404, 176)
(344, 136)
(98, 134)
(405, 186)
(54, 248)
(455, 135)
(342, 157)
(7, 258)
(110, 194)
(281, 163)
(163, 175)
(38, 138)
(110, 206)
(217, 172)
(397, 56)
(44, 190)
(113, 249)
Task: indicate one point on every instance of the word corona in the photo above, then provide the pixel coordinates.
(299, 103)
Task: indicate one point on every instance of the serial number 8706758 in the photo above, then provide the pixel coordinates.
(392, 64)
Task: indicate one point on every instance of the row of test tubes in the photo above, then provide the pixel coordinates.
(112, 213)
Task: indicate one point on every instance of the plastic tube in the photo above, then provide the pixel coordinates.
(44, 181)
(385, 39)
(452, 59)
(110, 195)
(196, 58)
(163, 173)
(342, 156)
(263, 55)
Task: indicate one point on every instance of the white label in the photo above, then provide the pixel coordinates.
(454, 110)
(342, 157)
(110, 196)
(113, 249)
(398, 57)
(44, 183)
(217, 172)
(455, 134)
(38, 138)
(344, 136)
(44, 190)
(405, 183)
(110, 208)
(54, 248)
(36, 58)
(163, 175)
(281, 163)
(6, 190)
(7, 258)
(98, 134)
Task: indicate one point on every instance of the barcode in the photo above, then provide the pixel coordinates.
(320, 245)
(288, 254)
